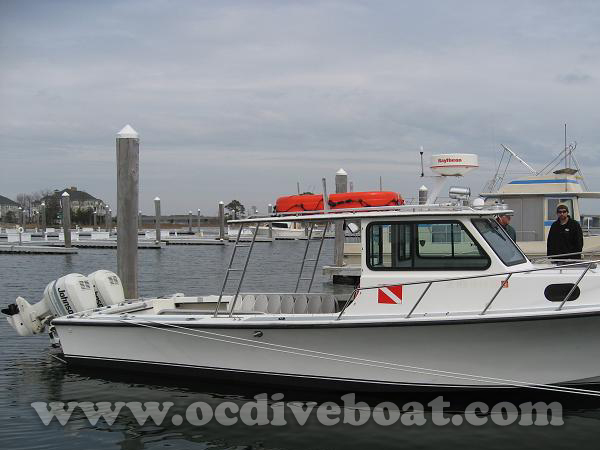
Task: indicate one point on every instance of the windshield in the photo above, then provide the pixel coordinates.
(502, 245)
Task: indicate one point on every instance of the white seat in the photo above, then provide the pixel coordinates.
(287, 304)
(274, 306)
(314, 303)
(300, 304)
(328, 303)
(261, 304)
(248, 302)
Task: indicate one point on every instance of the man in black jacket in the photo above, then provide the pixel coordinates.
(565, 235)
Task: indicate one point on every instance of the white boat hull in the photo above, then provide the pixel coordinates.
(466, 354)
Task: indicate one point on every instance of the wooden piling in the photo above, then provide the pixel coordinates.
(157, 218)
(43, 214)
(341, 186)
(66, 218)
(221, 220)
(189, 222)
(198, 221)
(108, 221)
(128, 156)
(270, 209)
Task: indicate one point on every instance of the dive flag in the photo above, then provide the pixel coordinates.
(391, 295)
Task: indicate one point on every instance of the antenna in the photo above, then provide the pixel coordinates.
(566, 155)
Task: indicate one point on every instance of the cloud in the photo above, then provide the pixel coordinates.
(242, 99)
(575, 78)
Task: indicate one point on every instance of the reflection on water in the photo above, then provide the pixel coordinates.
(30, 374)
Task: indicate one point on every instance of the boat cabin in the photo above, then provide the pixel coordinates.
(534, 200)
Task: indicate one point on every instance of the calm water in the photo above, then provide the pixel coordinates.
(29, 374)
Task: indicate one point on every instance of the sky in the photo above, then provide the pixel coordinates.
(243, 99)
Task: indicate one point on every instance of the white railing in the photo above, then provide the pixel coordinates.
(562, 264)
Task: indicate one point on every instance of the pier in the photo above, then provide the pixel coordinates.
(36, 249)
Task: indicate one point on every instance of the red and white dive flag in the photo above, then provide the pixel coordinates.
(390, 294)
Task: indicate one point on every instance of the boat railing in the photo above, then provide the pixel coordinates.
(587, 265)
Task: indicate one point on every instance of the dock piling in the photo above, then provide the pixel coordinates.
(66, 218)
(43, 214)
(270, 209)
(189, 222)
(157, 218)
(341, 186)
(128, 156)
(221, 220)
(109, 221)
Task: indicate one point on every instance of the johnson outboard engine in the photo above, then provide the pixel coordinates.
(70, 294)
(107, 287)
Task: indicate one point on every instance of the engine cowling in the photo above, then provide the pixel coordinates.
(69, 294)
(107, 287)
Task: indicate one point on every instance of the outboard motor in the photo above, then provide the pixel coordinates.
(68, 295)
(107, 287)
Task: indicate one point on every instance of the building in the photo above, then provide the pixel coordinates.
(79, 200)
(7, 205)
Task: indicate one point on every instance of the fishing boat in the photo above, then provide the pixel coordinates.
(446, 301)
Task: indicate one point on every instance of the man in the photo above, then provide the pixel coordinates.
(565, 236)
(504, 221)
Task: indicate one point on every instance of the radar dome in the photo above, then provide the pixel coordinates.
(453, 164)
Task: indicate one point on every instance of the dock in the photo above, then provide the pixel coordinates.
(37, 249)
(349, 274)
(193, 241)
(249, 239)
(113, 244)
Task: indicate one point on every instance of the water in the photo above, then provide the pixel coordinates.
(30, 373)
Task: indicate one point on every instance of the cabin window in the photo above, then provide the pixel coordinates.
(497, 238)
(423, 246)
(385, 237)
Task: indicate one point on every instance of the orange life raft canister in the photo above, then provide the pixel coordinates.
(311, 202)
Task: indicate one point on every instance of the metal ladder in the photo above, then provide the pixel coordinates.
(315, 260)
(231, 269)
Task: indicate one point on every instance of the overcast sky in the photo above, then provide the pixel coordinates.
(242, 99)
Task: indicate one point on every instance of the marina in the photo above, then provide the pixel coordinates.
(299, 225)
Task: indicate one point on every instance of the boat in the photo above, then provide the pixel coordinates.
(446, 301)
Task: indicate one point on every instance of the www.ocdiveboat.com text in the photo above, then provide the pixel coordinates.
(272, 410)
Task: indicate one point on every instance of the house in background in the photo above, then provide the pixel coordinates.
(79, 200)
(8, 207)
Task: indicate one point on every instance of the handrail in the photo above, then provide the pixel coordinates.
(589, 265)
(574, 287)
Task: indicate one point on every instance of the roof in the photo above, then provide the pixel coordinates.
(7, 201)
(381, 212)
(561, 194)
(75, 195)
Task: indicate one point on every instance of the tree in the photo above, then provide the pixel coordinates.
(52, 209)
(10, 217)
(235, 208)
